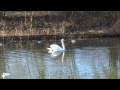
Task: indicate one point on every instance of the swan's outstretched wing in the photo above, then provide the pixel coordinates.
(54, 47)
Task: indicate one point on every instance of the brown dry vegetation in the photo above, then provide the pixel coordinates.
(31, 23)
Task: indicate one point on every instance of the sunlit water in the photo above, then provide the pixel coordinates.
(85, 59)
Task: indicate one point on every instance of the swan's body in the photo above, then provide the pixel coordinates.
(55, 47)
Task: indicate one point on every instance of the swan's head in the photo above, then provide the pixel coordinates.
(62, 40)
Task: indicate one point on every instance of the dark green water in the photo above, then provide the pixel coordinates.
(86, 59)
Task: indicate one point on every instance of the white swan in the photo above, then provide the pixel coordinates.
(5, 74)
(55, 47)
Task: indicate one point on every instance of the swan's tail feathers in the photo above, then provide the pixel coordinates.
(49, 49)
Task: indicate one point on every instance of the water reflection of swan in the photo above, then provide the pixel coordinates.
(57, 53)
(55, 47)
(63, 55)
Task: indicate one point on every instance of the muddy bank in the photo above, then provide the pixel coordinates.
(55, 37)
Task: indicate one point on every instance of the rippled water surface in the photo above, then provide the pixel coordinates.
(85, 59)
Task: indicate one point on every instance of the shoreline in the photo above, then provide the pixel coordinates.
(52, 37)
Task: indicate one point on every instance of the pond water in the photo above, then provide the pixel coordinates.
(85, 59)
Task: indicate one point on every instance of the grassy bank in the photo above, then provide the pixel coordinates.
(62, 23)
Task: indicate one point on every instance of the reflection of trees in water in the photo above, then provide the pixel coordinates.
(1, 61)
(113, 62)
(4, 67)
(73, 70)
(96, 72)
(22, 60)
(104, 73)
(63, 66)
(112, 71)
(35, 62)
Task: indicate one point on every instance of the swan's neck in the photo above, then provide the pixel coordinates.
(63, 56)
(63, 45)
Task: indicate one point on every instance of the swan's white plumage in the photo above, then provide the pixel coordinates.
(55, 47)
(5, 74)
